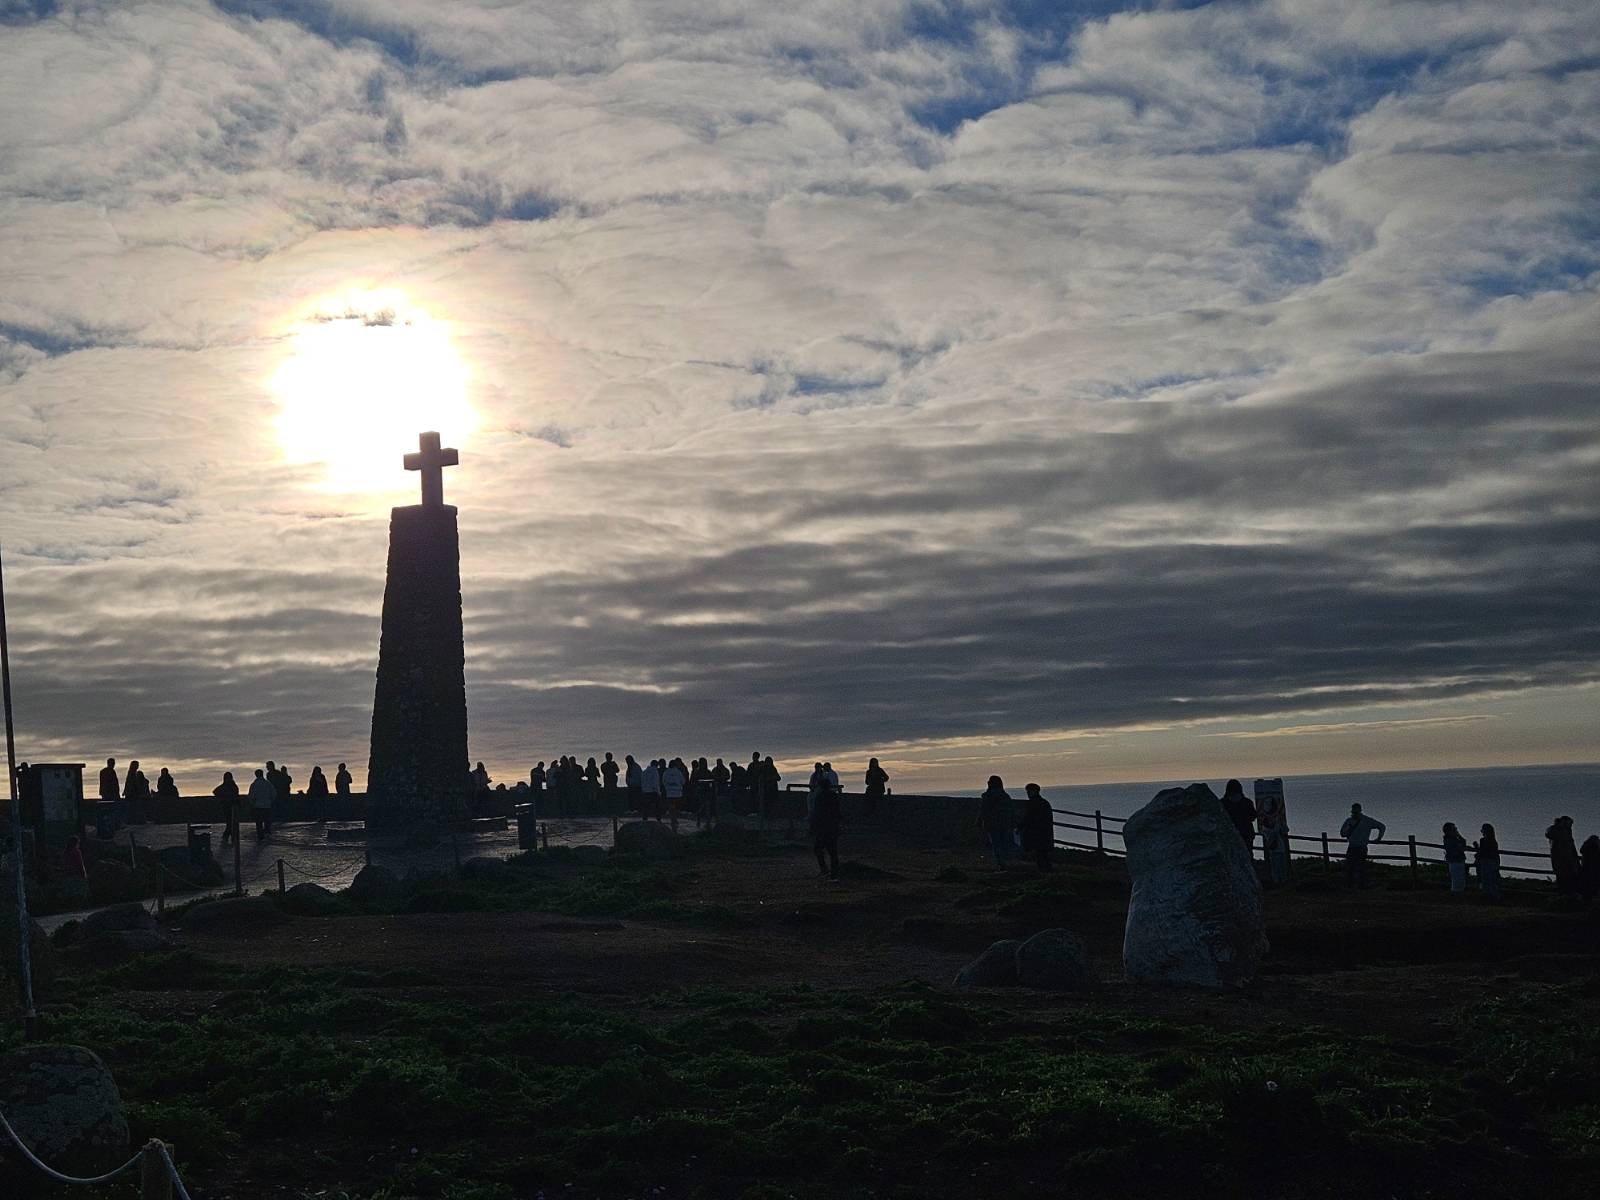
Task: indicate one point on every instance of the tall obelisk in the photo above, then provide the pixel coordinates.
(417, 776)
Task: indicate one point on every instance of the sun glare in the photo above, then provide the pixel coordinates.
(363, 377)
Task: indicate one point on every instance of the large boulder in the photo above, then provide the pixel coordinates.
(232, 914)
(117, 919)
(111, 880)
(64, 1105)
(995, 967)
(311, 899)
(376, 886)
(647, 839)
(1056, 960)
(1194, 917)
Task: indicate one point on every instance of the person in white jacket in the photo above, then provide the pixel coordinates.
(673, 782)
(650, 786)
(262, 795)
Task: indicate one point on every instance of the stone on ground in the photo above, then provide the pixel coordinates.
(1055, 960)
(1194, 917)
(110, 880)
(377, 886)
(64, 1104)
(118, 918)
(648, 839)
(995, 967)
(310, 898)
(232, 914)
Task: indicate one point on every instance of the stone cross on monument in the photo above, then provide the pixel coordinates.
(417, 776)
(431, 461)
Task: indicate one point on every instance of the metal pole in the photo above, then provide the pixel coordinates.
(1326, 860)
(280, 877)
(1099, 833)
(24, 922)
(1412, 839)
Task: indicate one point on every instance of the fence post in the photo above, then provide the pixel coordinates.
(161, 889)
(1327, 861)
(238, 873)
(613, 829)
(1099, 833)
(155, 1183)
(1411, 840)
(280, 877)
(544, 836)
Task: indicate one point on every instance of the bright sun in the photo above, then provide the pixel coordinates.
(366, 374)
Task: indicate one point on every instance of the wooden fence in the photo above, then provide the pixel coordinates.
(1321, 846)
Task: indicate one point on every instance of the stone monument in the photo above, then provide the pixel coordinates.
(417, 776)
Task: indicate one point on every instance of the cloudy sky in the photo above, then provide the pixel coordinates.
(1083, 392)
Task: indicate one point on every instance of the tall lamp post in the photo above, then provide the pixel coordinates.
(24, 925)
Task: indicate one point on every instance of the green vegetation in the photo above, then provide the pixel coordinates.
(388, 1086)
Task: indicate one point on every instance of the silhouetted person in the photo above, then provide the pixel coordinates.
(262, 796)
(1038, 827)
(756, 778)
(1242, 813)
(824, 828)
(721, 784)
(280, 780)
(830, 777)
(479, 779)
(816, 784)
(1564, 859)
(738, 788)
(341, 787)
(650, 791)
(1589, 868)
(317, 794)
(166, 786)
(633, 780)
(227, 794)
(72, 864)
(770, 779)
(609, 770)
(876, 781)
(995, 814)
(1455, 858)
(1486, 859)
(591, 784)
(1357, 831)
(536, 780)
(136, 793)
(673, 781)
(110, 788)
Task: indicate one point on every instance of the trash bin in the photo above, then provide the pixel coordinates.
(199, 844)
(527, 827)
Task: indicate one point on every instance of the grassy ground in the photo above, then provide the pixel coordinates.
(816, 1049)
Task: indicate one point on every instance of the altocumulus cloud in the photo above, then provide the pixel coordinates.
(901, 372)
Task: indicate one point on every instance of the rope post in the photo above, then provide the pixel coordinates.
(1099, 833)
(613, 829)
(1327, 861)
(280, 877)
(155, 1181)
(161, 889)
(1411, 841)
(238, 869)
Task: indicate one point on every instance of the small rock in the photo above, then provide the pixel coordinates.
(64, 1104)
(376, 886)
(1055, 960)
(309, 898)
(648, 839)
(995, 967)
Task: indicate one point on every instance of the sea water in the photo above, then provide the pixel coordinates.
(1519, 802)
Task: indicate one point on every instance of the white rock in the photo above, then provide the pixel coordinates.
(1195, 914)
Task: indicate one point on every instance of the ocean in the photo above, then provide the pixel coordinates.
(1518, 801)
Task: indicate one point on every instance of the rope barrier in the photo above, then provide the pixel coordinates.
(339, 870)
(61, 1178)
(177, 1183)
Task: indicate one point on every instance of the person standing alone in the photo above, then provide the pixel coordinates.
(1357, 831)
(262, 795)
(824, 829)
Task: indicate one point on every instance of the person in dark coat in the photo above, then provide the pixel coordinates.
(610, 770)
(166, 785)
(1589, 868)
(1241, 812)
(227, 794)
(110, 789)
(317, 794)
(1564, 860)
(824, 829)
(1486, 860)
(876, 781)
(341, 787)
(996, 815)
(1038, 827)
